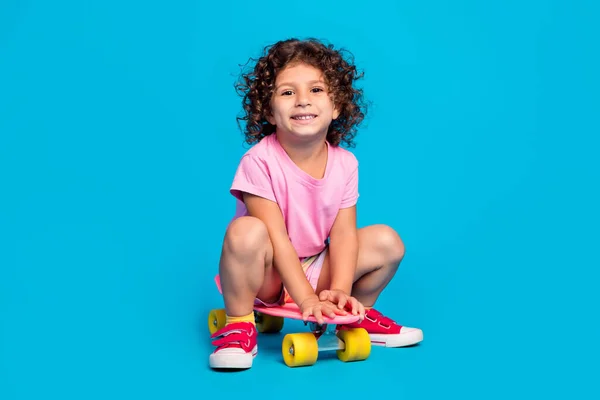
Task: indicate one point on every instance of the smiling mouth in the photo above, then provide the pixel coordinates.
(304, 117)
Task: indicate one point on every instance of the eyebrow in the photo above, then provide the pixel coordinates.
(291, 84)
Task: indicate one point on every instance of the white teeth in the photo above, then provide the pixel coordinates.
(303, 117)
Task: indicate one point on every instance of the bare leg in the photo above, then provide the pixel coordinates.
(380, 251)
(246, 266)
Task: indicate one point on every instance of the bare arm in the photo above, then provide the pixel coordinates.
(285, 258)
(343, 250)
(343, 259)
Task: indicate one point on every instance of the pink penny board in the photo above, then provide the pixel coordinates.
(291, 310)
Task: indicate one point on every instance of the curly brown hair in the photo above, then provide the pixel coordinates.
(257, 85)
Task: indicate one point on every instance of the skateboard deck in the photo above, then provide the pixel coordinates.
(292, 311)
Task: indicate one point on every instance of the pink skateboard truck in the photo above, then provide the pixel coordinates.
(302, 349)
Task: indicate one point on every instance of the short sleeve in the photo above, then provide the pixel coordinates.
(350, 196)
(252, 176)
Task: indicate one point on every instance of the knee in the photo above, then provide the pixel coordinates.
(246, 236)
(391, 245)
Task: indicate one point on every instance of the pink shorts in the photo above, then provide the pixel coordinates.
(312, 267)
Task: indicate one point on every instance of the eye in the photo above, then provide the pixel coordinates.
(317, 89)
(286, 93)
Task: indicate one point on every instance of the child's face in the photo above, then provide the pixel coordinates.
(301, 104)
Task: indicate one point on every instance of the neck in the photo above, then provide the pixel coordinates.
(303, 150)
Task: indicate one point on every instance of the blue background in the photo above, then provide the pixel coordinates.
(118, 143)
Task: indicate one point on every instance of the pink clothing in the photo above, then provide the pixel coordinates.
(309, 206)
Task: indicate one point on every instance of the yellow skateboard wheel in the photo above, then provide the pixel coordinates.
(299, 349)
(268, 323)
(357, 344)
(216, 320)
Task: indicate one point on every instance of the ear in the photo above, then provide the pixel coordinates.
(268, 113)
(336, 112)
(336, 107)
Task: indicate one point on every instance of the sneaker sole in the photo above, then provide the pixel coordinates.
(401, 340)
(234, 361)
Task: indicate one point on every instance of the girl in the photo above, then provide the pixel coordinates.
(294, 235)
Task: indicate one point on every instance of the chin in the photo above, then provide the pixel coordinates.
(306, 130)
(308, 134)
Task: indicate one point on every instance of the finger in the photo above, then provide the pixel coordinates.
(353, 306)
(306, 314)
(333, 297)
(342, 303)
(361, 311)
(324, 295)
(318, 315)
(337, 311)
(329, 311)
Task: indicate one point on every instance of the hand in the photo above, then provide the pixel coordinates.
(343, 301)
(318, 308)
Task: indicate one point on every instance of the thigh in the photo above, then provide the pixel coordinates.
(272, 286)
(377, 244)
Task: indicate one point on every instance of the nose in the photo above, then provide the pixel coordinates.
(302, 100)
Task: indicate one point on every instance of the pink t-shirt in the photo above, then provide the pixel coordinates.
(309, 206)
